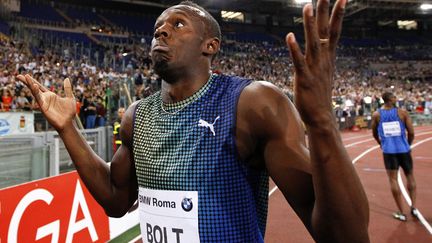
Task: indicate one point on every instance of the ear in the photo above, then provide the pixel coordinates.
(211, 46)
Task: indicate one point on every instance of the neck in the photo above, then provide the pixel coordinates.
(179, 88)
(388, 106)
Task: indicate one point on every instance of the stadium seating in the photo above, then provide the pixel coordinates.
(39, 11)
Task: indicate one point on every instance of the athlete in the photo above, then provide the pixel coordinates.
(198, 154)
(388, 127)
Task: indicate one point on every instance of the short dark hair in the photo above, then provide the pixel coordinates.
(387, 96)
(212, 26)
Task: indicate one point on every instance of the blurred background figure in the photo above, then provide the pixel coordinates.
(116, 128)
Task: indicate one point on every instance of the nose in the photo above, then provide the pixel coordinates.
(161, 31)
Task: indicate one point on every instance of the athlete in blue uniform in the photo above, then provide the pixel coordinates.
(197, 155)
(388, 127)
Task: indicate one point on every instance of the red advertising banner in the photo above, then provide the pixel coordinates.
(56, 209)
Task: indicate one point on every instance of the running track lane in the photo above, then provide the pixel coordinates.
(284, 226)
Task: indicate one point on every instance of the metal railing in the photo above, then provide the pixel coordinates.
(38, 155)
(365, 121)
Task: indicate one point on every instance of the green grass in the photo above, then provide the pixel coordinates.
(128, 235)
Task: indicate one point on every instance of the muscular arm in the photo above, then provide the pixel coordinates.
(341, 212)
(274, 130)
(408, 124)
(374, 126)
(114, 187)
(332, 204)
(321, 185)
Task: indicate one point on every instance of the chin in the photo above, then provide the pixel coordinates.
(162, 69)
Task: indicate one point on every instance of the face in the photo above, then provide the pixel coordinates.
(178, 39)
(120, 112)
(392, 100)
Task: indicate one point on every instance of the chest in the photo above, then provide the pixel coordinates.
(186, 148)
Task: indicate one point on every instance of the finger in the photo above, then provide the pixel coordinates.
(29, 82)
(336, 23)
(296, 54)
(311, 33)
(30, 79)
(35, 89)
(23, 79)
(68, 88)
(323, 19)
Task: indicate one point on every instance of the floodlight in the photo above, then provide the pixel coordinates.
(426, 6)
(303, 1)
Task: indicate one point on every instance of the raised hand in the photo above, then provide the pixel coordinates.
(59, 111)
(314, 70)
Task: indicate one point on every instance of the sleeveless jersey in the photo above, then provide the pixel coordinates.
(392, 132)
(190, 146)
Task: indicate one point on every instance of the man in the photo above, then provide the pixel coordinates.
(197, 154)
(388, 127)
(116, 128)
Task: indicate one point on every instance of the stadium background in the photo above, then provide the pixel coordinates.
(103, 47)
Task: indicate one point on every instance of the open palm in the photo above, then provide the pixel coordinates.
(59, 111)
(314, 70)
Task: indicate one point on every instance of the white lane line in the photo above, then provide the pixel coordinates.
(374, 169)
(406, 196)
(364, 153)
(355, 137)
(361, 155)
(401, 185)
(372, 139)
(359, 142)
(358, 157)
(370, 131)
(422, 158)
(420, 217)
(422, 141)
(404, 192)
(354, 161)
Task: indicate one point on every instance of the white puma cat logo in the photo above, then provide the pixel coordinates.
(202, 123)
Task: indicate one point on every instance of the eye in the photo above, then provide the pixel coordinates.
(178, 24)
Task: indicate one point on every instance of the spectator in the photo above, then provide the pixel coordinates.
(90, 112)
(22, 103)
(100, 112)
(7, 100)
(116, 128)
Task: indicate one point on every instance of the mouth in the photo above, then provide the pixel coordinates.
(160, 48)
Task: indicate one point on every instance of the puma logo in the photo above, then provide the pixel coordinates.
(202, 123)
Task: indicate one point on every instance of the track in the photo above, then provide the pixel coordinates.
(284, 226)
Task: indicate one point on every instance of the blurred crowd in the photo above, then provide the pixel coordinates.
(362, 75)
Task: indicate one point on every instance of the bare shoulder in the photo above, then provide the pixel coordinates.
(266, 108)
(376, 114)
(269, 128)
(261, 86)
(402, 112)
(404, 116)
(126, 127)
(261, 94)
